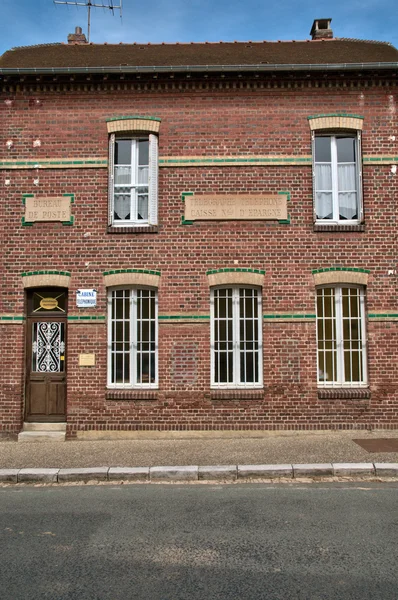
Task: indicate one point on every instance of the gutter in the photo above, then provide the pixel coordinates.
(202, 68)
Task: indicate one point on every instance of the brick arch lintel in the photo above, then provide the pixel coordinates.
(133, 277)
(236, 277)
(46, 279)
(341, 276)
(132, 124)
(354, 122)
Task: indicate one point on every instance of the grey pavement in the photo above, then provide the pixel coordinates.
(218, 448)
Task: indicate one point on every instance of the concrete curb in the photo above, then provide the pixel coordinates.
(313, 470)
(200, 473)
(84, 475)
(189, 473)
(264, 471)
(214, 473)
(38, 475)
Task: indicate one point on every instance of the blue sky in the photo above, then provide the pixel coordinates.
(28, 22)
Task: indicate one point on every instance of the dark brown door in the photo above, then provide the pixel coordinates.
(46, 353)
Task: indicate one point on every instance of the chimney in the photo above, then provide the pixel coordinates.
(320, 29)
(78, 37)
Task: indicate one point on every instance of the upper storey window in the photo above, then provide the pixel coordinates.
(336, 173)
(133, 172)
(131, 181)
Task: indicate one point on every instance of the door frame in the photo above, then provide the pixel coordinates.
(47, 316)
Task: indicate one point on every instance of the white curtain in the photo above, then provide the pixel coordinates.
(347, 191)
(122, 204)
(323, 182)
(346, 186)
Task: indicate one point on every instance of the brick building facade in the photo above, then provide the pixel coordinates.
(199, 236)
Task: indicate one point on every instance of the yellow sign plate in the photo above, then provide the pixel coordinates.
(86, 360)
(48, 303)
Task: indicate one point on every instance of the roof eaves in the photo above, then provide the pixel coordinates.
(201, 68)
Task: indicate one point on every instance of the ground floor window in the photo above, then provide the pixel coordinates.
(236, 337)
(132, 338)
(341, 336)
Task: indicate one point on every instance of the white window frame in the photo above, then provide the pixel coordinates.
(337, 344)
(335, 220)
(236, 350)
(152, 180)
(133, 343)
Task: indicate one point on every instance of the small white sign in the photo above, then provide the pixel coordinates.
(86, 298)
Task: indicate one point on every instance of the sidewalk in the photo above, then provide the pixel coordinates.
(215, 448)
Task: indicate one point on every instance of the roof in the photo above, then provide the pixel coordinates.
(61, 57)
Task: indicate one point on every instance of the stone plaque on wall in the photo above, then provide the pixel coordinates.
(57, 208)
(222, 207)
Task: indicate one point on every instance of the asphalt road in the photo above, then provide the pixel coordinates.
(188, 542)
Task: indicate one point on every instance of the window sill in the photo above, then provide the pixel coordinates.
(138, 229)
(131, 395)
(338, 228)
(253, 394)
(344, 394)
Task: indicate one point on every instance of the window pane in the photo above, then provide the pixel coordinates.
(122, 206)
(348, 206)
(354, 303)
(329, 372)
(123, 152)
(345, 149)
(347, 178)
(142, 209)
(122, 175)
(118, 369)
(250, 307)
(247, 368)
(144, 368)
(324, 205)
(143, 173)
(322, 149)
(143, 306)
(323, 177)
(226, 367)
(152, 374)
(143, 152)
(247, 330)
(126, 367)
(145, 331)
(119, 331)
(222, 333)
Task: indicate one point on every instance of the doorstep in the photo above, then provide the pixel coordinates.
(43, 432)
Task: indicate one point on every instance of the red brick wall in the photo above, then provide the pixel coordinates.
(208, 123)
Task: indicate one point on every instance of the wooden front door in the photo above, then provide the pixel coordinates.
(45, 356)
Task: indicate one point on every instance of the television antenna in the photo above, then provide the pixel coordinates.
(89, 5)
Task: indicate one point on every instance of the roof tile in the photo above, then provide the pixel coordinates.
(331, 51)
